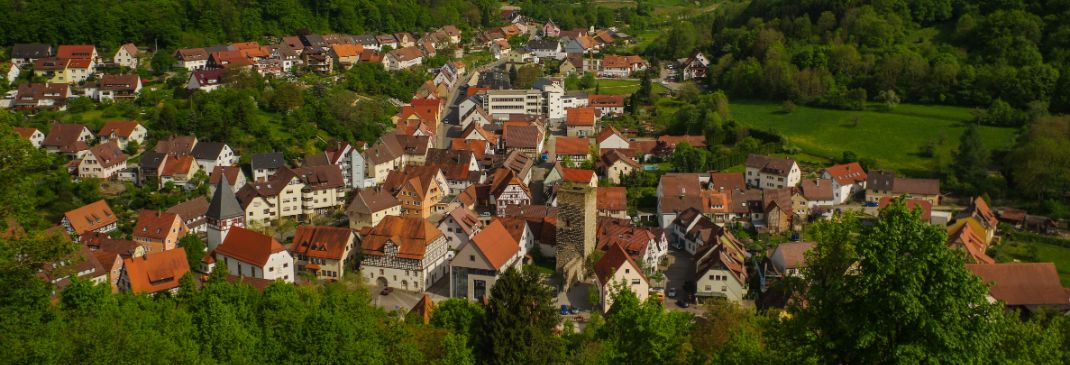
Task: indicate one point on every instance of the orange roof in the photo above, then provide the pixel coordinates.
(847, 174)
(984, 213)
(347, 50)
(154, 273)
(79, 63)
(612, 198)
(973, 244)
(154, 225)
(579, 176)
(924, 205)
(608, 131)
(79, 51)
(605, 101)
(571, 145)
(25, 132)
(249, 246)
(496, 244)
(177, 165)
(580, 117)
(255, 53)
(476, 146)
(614, 61)
(474, 90)
(1035, 283)
(122, 128)
(370, 55)
(245, 45)
(90, 217)
(611, 261)
(322, 241)
(409, 235)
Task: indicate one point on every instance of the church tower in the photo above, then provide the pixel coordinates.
(223, 213)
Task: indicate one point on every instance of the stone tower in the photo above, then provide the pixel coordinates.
(576, 220)
(223, 212)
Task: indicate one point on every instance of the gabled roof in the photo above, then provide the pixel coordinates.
(817, 189)
(847, 174)
(62, 134)
(680, 192)
(130, 48)
(25, 132)
(405, 54)
(249, 246)
(614, 258)
(572, 145)
(191, 209)
(496, 244)
(231, 172)
(372, 200)
(129, 82)
(79, 51)
(121, 128)
(503, 178)
(466, 219)
(605, 101)
(410, 235)
(154, 273)
(612, 156)
(154, 224)
(108, 154)
(727, 181)
(191, 54)
(577, 176)
(617, 231)
(793, 254)
(31, 50)
(181, 165)
(612, 198)
(973, 244)
(979, 208)
(322, 241)
(770, 165)
(614, 61)
(208, 77)
(208, 150)
(522, 136)
(90, 217)
(608, 131)
(580, 117)
(1023, 283)
(320, 177)
(176, 145)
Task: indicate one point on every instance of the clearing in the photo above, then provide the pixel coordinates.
(893, 138)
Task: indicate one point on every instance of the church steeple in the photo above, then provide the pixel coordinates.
(223, 212)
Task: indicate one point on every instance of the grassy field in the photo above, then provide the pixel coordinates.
(621, 87)
(1041, 252)
(894, 139)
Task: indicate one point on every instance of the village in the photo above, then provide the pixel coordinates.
(476, 177)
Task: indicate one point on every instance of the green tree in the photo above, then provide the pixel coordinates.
(459, 316)
(195, 249)
(892, 292)
(520, 320)
(971, 158)
(161, 62)
(689, 159)
(631, 325)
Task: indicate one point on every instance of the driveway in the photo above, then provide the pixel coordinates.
(681, 268)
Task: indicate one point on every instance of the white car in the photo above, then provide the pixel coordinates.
(672, 292)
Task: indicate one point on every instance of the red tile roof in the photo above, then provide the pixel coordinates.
(847, 174)
(612, 198)
(154, 225)
(572, 145)
(609, 264)
(249, 246)
(605, 101)
(178, 165)
(496, 244)
(158, 272)
(1023, 283)
(411, 235)
(580, 117)
(25, 132)
(578, 176)
(80, 51)
(321, 241)
(90, 217)
(121, 128)
(108, 154)
(912, 204)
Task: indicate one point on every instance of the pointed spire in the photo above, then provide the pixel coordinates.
(224, 204)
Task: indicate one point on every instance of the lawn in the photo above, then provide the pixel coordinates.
(621, 87)
(1044, 252)
(893, 138)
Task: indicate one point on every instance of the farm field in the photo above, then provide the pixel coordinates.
(894, 138)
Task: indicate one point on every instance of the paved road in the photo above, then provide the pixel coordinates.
(681, 268)
(450, 119)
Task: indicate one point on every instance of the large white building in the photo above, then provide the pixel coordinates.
(618, 271)
(766, 172)
(251, 254)
(406, 253)
(501, 103)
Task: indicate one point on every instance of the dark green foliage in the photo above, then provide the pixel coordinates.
(195, 249)
(519, 322)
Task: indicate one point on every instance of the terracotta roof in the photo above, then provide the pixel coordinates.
(847, 174)
(80, 51)
(916, 186)
(973, 244)
(572, 145)
(248, 246)
(727, 181)
(90, 217)
(370, 55)
(608, 131)
(176, 145)
(411, 236)
(981, 210)
(794, 253)
(912, 204)
(25, 132)
(605, 101)
(503, 178)
(817, 189)
(612, 198)
(609, 264)
(1023, 283)
(580, 117)
(621, 232)
(321, 241)
(158, 272)
(614, 61)
(154, 225)
(130, 48)
(477, 147)
(424, 308)
(108, 154)
(770, 165)
(191, 54)
(527, 136)
(180, 165)
(496, 244)
(127, 82)
(611, 156)
(61, 134)
(578, 176)
(231, 172)
(466, 219)
(122, 128)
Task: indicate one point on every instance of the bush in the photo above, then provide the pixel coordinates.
(787, 107)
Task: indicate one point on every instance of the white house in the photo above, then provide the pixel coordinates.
(251, 254)
(847, 180)
(617, 270)
(206, 80)
(459, 226)
(407, 253)
(126, 56)
(33, 135)
(766, 172)
(403, 58)
(212, 154)
(123, 132)
(477, 266)
(611, 138)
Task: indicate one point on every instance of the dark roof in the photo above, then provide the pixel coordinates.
(224, 204)
(62, 134)
(771, 165)
(191, 209)
(151, 160)
(32, 50)
(880, 180)
(270, 160)
(543, 44)
(208, 150)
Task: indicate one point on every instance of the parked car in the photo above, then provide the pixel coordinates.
(872, 204)
(564, 309)
(386, 291)
(672, 292)
(682, 303)
(571, 310)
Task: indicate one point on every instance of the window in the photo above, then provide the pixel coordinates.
(271, 269)
(635, 281)
(724, 288)
(471, 257)
(285, 264)
(627, 271)
(712, 277)
(709, 287)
